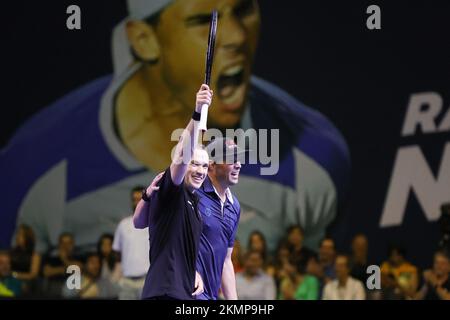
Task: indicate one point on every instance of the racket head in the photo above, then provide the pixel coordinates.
(211, 45)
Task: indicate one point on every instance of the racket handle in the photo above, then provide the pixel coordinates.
(203, 118)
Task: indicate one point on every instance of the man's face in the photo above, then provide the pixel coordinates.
(360, 245)
(326, 250)
(441, 265)
(341, 266)
(295, 237)
(93, 266)
(197, 169)
(182, 33)
(5, 265)
(66, 244)
(226, 174)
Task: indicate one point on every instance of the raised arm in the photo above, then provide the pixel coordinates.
(188, 140)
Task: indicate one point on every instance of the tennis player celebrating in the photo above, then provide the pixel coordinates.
(175, 224)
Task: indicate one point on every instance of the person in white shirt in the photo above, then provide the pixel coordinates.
(344, 287)
(253, 283)
(133, 246)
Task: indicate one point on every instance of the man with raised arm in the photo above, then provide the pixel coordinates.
(175, 224)
(220, 211)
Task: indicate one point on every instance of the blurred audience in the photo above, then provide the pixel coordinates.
(108, 258)
(296, 284)
(436, 284)
(132, 245)
(344, 287)
(56, 264)
(294, 272)
(253, 283)
(300, 253)
(93, 285)
(360, 248)
(10, 287)
(399, 278)
(25, 261)
(257, 242)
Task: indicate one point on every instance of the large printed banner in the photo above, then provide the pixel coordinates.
(361, 114)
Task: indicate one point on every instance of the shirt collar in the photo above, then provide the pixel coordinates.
(209, 187)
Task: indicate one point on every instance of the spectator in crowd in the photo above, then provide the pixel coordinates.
(236, 256)
(10, 287)
(344, 287)
(277, 268)
(257, 242)
(133, 246)
(92, 285)
(360, 247)
(108, 258)
(254, 283)
(296, 284)
(56, 264)
(327, 253)
(295, 237)
(399, 278)
(436, 281)
(25, 261)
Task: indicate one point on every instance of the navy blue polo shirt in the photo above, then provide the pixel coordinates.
(175, 226)
(219, 232)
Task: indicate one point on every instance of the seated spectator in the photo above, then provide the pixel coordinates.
(298, 251)
(236, 256)
(277, 268)
(360, 246)
(399, 278)
(25, 261)
(55, 265)
(436, 281)
(257, 242)
(296, 284)
(253, 283)
(109, 258)
(93, 286)
(344, 287)
(327, 253)
(10, 287)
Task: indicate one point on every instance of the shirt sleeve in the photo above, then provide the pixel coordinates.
(165, 196)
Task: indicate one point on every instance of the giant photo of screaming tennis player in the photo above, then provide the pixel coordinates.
(124, 123)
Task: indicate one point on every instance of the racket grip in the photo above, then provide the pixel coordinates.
(203, 118)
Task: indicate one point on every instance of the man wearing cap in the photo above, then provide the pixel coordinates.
(220, 212)
(114, 133)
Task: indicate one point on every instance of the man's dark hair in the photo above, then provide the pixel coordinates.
(294, 227)
(443, 253)
(65, 234)
(398, 248)
(347, 258)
